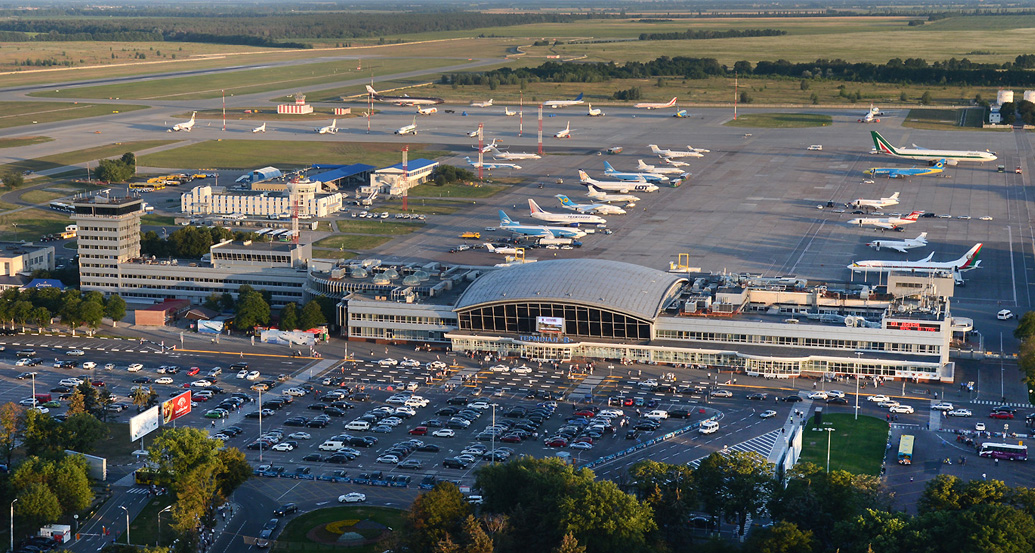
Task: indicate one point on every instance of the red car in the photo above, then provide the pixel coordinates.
(628, 402)
(585, 413)
(511, 439)
(193, 371)
(1001, 415)
(557, 442)
(419, 430)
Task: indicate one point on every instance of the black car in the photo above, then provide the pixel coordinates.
(317, 407)
(334, 412)
(60, 389)
(296, 421)
(792, 399)
(142, 380)
(313, 458)
(632, 434)
(232, 430)
(447, 411)
(412, 464)
(27, 375)
(458, 400)
(317, 423)
(647, 425)
(431, 448)
(454, 463)
(361, 397)
(337, 459)
(680, 413)
(837, 401)
(759, 396)
(285, 509)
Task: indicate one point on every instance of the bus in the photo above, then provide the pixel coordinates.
(147, 186)
(905, 450)
(1010, 452)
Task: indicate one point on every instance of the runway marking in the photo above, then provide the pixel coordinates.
(1013, 274)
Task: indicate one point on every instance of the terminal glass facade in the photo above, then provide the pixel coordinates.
(579, 320)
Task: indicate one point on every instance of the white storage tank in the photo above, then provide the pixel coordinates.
(1004, 96)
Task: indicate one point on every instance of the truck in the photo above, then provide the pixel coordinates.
(559, 242)
(469, 235)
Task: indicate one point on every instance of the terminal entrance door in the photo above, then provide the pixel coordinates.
(548, 352)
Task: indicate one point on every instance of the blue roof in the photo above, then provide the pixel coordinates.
(45, 283)
(414, 164)
(340, 171)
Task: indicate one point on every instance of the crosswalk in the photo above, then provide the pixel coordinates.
(763, 445)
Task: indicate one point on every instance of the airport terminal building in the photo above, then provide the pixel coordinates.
(589, 309)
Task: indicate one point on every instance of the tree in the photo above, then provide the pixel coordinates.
(782, 537)
(734, 485)
(91, 313)
(236, 470)
(81, 431)
(141, 397)
(433, 517)
(475, 540)
(606, 519)
(70, 483)
(1025, 326)
(38, 505)
(12, 179)
(289, 317)
(815, 501)
(311, 317)
(569, 545)
(114, 170)
(115, 309)
(925, 99)
(252, 311)
(76, 403)
(41, 433)
(40, 316)
(212, 302)
(10, 425)
(70, 314)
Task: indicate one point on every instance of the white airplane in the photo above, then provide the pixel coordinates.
(408, 129)
(260, 128)
(488, 147)
(871, 115)
(329, 129)
(510, 155)
(622, 186)
(185, 126)
(887, 223)
(674, 153)
(570, 219)
(968, 262)
(651, 105)
(658, 170)
(566, 133)
(540, 231)
(594, 112)
(651, 177)
(491, 166)
(675, 163)
(603, 209)
(481, 104)
(951, 157)
(502, 250)
(426, 111)
(403, 100)
(601, 196)
(508, 113)
(900, 245)
(564, 103)
(875, 204)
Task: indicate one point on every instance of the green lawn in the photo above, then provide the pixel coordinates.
(856, 446)
(427, 207)
(152, 219)
(332, 254)
(42, 196)
(945, 119)
(455, 191)
(30, 224)
(23, 141)
(81, 156)
(143, 530)
(16, 114)
(780, 120)
(381, 226)
(295, 535)
(245, 154)
(352, 242)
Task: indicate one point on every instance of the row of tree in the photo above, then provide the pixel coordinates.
(40, 306)
(252, 309)
(117, 170)
(705, 34)
(1025, 332)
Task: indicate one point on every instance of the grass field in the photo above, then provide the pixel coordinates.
(294, 537)
(352, 242)
(332, 254)
(245, 154)
(143, 530)
(381, 226)
(152, 219)
(17, 114)
(856, 446)
(23, 141)
(30, 224)
(455, 191)
(426, 207)
(945, 119)
(41, 196)
(780, 120)
(80, 156)
(247, 81)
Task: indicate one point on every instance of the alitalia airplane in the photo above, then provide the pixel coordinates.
(951, 157)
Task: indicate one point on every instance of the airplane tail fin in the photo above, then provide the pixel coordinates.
(579, 97)
(564, 200)
(591, 190)
(192, 116)
(608, 168)
(671, 102)
(940, 164)
(641, 165)
(881, 144)
(370, 90)
(534, 207)
(583, 177)
(969, 259)
(922, 238)
(655, 150)
(504, 219)
(913, 216)
(490, 247)
(894, 196)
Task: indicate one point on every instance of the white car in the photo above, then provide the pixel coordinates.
(41, 409)
(164, 380)
(416, 401)
(479, 405)
(708, 427)
(201, 384)
(88, 365)
(980, 426)
(523, 369)
(412, 363)
(437, 365)
(388, 459)
(835, 393)
(888, 403)
(722, 393)
(71, 381)
(387, 362)
(768, 414)
(943, 406)
(906, 409)
(21, 363)
(295, 392)
(109, 367)
(657, 414)
(818, 395)
(960, 413)
(283, 446)
(581, 445)
(397, 399)
(443, 433)
(499, 369)
(877, 399)
(405, 410)
(354, 497)
(815, 148)
(254, 375)
(76, 352)
(135, 367)
(29, 402)
(243, 373)
(1004, 315)
(985, 218)
(299, 436)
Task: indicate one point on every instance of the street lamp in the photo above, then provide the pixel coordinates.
(260, 425)
(159, 538)
(858, 364)
(123, 507)
(12, 523)
(493, 435)
(828, 431)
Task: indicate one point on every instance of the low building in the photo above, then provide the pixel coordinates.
(395, 180)
(213, 200)
(161, 314)
(24, 258)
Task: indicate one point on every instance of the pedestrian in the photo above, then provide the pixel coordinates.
(997, 462)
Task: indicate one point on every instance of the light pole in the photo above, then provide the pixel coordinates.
(76, 518)
(260, 424)
(493, 435)
(858, 365)
(12, 524)
(123, 507)
(829, 431)
(159, 538)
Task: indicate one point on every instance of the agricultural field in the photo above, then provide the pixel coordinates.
(248, 154)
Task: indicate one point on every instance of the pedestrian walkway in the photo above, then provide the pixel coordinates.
(586, 387)
(764, 445)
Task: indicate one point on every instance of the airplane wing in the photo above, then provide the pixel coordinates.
(884, 225)
(926, 259)
(899, 249)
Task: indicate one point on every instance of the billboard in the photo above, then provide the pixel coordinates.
(210, 327)
(553, 325)
(288, 337)
(176, 407)
(143, 424)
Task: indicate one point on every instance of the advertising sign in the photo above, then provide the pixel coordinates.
(143, 424)
(553, 325)
(176, 407)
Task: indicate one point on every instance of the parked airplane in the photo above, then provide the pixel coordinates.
(403, 100)
(564, 103)
(675, 163)
(491, 166)
(540, 231)
(651, 105)
(502, 250)
(185, 126)
(481, 104)
(566, 133)
(510, 155)
(622, 186)
(968, 262)
(488, 147)
(682, 113)
(951, 157)
(886, 222)
(260, 128)
(426, 111)
(473, 133)
(594, 112)
(651, 177)
(658, 170)
(508, 113)
(572, 219)
(861, 203)
(601, 196)
(408, 129)
(900, 245)
(871, 115)
(901, 173)
(329, 129)
(673, 153)
(602, 209)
